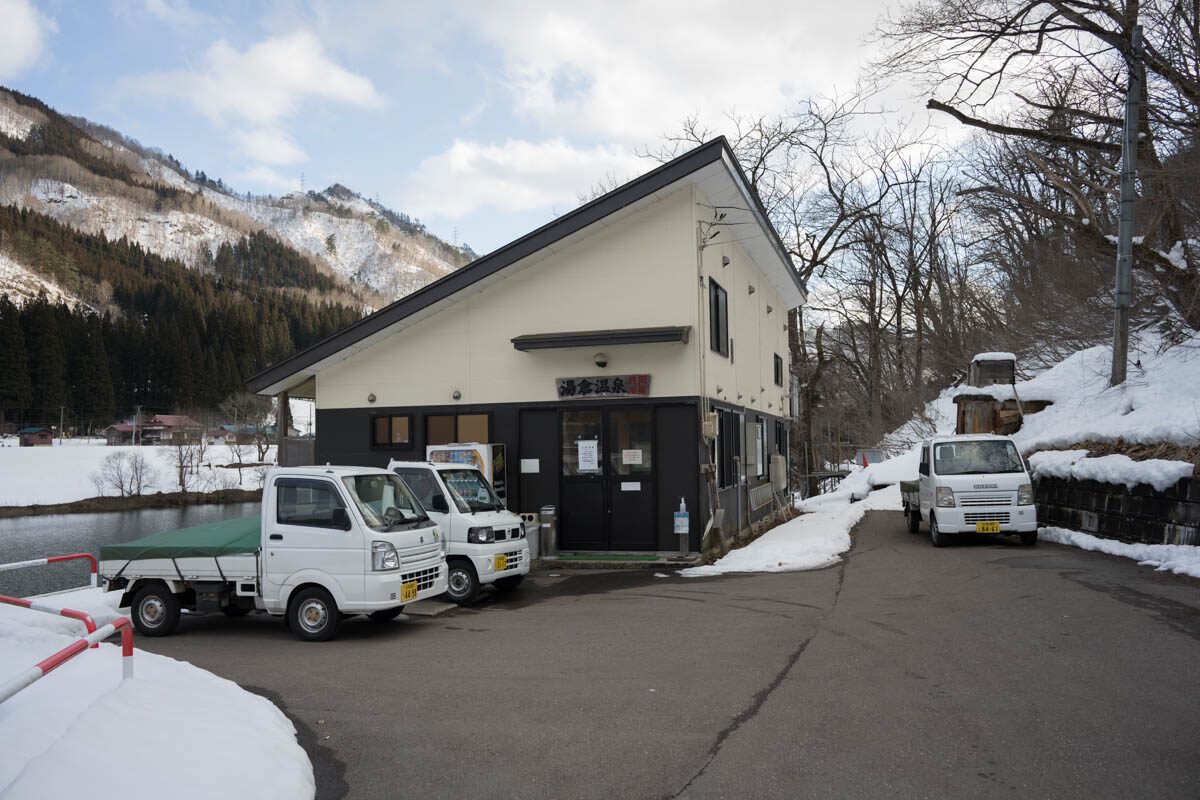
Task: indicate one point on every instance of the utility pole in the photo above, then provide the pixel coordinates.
(60, 421)
(137, 415)
(1124, 287)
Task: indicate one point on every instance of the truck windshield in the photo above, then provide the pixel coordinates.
(385, 502)
(469, 486)
(976, 458)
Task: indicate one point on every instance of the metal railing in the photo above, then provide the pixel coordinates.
(36, 605)
(47, 665)
(53, 560)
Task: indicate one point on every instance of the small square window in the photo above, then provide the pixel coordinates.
(393, 431)
(778, 370)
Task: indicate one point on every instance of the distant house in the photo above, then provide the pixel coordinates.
(246, 434)
(164, 429)
(36, 437)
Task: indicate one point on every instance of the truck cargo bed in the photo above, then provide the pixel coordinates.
(211, 550)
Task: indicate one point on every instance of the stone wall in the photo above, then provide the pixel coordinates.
(1116, 512)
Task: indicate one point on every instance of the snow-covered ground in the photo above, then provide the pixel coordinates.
(815, 539)
(173, 730)
(63, 474)
(21, 284)
(1178, 558)
(1116, 469)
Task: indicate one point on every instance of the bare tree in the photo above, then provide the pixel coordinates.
(237, 454)
(125, 474)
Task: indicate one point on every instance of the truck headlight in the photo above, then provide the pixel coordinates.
(1025, 495)
(384, 556)
(945, 497)
(481, 535)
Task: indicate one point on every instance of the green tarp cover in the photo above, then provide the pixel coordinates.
(212, 539)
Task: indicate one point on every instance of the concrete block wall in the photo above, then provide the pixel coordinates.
(1116, 512)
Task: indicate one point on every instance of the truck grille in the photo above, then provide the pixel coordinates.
(985, 500)
(514, 560)
(423, 577)
(985, 516)
(507, 534)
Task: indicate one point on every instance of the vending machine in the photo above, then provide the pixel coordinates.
(487, 458)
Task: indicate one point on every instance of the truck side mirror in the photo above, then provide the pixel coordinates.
(341, 519)
(438, 503)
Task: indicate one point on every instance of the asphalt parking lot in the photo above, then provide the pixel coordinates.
(985, 669)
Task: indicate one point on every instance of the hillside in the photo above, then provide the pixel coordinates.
(97, 181)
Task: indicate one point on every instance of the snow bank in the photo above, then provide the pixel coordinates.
(1177, 558)
(45, 475)
(812, 540)
(1160, 473)
(182, 732)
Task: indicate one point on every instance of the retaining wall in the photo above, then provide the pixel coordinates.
(1116, 512)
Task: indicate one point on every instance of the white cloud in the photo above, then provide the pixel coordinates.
(22, 36)
(252, 94)
(265, 178)
(517, 175)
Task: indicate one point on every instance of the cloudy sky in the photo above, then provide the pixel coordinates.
(485, 118)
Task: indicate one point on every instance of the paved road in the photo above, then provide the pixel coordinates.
(984, 670)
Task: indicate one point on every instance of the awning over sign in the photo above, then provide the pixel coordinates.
(609, 338)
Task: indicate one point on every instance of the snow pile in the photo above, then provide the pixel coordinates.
(173, 730)
(1177, 558)
(63, 474)
(1115, 469)
(815, 539)
(993, 357)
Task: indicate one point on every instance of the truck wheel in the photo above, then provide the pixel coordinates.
(313, 615)
(937, 537)
(462, 584)
(386, 615)
(914, 520)
(1029, 539)
(155, 610)
(508, 584)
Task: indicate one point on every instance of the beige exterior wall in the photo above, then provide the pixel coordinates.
(639, 272)
(747, 378)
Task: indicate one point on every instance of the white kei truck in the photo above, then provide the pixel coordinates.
(971, 483)
(487, 543)
(329, 542)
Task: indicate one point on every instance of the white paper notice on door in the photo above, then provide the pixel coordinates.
(530, 465)
(631, 486)
(589, 455)
(631, 456)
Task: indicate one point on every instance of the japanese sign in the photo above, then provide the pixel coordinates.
(604, 386)
(589, 454)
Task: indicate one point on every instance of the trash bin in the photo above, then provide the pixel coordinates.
(548, 531)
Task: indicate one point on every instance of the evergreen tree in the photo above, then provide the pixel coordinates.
(15, 389)
(94, 403)
(47, 360)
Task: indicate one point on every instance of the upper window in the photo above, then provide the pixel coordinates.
(395, 431)
(306, 502)
(977, 457)
(718, 314)
(778, 370)
(385, 502)
(456, 428)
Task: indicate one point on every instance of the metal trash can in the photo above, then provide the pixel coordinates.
(548, 531)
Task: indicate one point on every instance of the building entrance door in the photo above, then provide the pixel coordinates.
(608, 479)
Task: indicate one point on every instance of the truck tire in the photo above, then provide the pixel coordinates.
(1029, 539)
(935, 536)
(386, 615)
(914, 520)
(462, 584)
(508, 584)
(155, 610)
(313, 615)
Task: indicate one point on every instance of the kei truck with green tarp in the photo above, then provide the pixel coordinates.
(329, 542)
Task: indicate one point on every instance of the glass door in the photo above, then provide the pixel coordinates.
(583, 516)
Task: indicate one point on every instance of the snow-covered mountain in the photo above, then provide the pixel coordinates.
(98, 181)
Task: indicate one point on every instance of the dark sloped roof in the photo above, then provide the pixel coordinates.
(523, 247)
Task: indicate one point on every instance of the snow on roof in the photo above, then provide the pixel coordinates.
(993, 357)
(1160, 473)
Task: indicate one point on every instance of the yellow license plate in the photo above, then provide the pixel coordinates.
(501, 563)
(408, 591)
(987, 527)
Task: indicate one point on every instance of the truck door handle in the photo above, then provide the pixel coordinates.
(275, 537)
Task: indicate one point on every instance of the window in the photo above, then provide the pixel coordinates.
(718, 314)
(385, 502)
(760, 447)
(395, 431)
(306, 502)
(582, 450)
(422, 483)
(453, 429)
(924, 467)
(778, 370)
(726, 448)
(977, 457)
(631, 434)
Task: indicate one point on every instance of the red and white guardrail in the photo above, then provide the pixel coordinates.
(36, 605)
(40, 669)
(55, 559)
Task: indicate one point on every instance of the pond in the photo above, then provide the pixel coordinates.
(23, 538)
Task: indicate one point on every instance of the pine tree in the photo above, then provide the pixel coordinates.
(47, 360)
(15, 390)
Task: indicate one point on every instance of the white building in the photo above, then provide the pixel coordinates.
(591, 348)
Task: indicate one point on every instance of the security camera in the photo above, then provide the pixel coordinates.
(601, 360)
